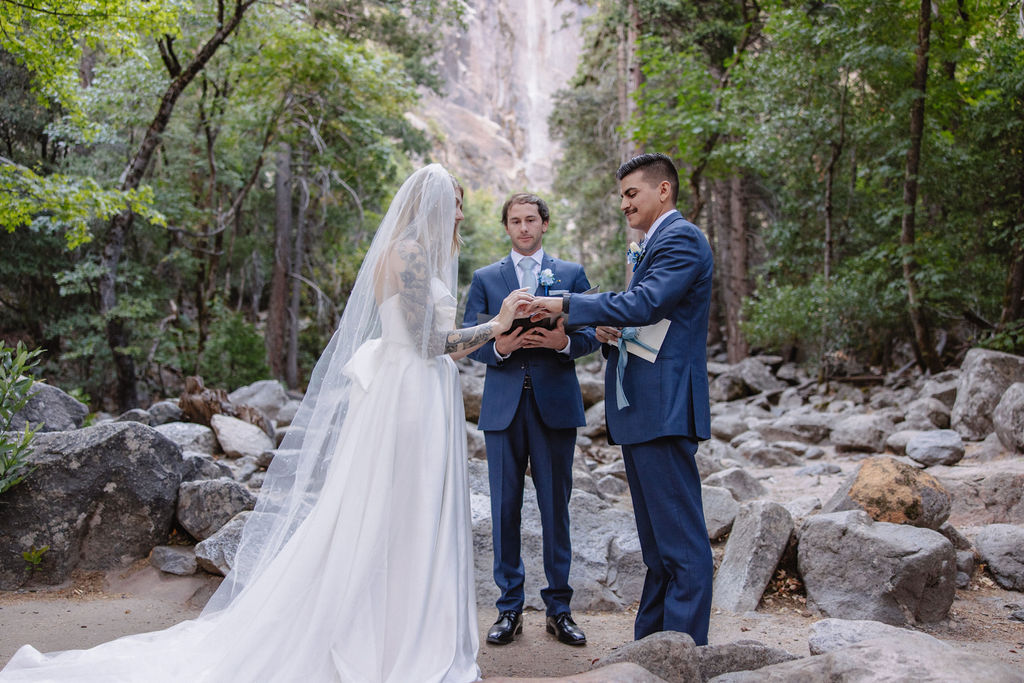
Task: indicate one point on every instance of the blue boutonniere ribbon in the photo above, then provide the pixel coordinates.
(629, 334)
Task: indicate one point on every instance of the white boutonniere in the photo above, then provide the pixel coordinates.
(546, 278)
(634, 253)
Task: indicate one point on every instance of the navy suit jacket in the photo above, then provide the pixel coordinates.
(668, 397)
(553, 374)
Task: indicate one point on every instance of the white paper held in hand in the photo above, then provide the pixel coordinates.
(652, 336)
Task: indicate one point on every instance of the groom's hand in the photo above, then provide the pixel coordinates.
(545, 307)
(543, 338)
(607, 335)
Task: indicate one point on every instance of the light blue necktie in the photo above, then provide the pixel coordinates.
(529, 268)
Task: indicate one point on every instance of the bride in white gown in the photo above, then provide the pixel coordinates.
(356, 564)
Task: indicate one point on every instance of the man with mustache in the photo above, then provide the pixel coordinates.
(658, 410)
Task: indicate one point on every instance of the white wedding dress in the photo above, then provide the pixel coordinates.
(376, 584)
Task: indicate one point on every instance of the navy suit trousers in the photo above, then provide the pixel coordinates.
(549, 453)
(665, 485)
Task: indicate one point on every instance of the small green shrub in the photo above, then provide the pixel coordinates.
(235, 354)
(34, 558)
(15, 385)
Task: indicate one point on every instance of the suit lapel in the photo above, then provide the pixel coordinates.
(646, 260)
(508, 272)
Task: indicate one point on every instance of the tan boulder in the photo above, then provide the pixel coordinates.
(891, 491)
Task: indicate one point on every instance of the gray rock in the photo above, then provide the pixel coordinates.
(804, 427)
(50, 410)
(582, 478)
(591, 389)
(163, 412)
(931, 410)
(897, 441)
(758, 539)
(989, 493)
(670, 655)
(190, 436)
(475, 442)
(268, 395)
(238, 438)
(802, 506)
(206, 506)
(720, 510)
(828, 635)
(623, 672)
(216, 554)
(758, 376)
(908, 657)
(740, 483)
(764, 454)
(864, 433)
(610, 485)
(820, 468)
(1008, 418)
(202, 466)
(727, 387)
(958, 540)
(174, 559)
(855, 568)
(1001, 547)
(984, 378)
(595, 423)
(472, 395)
(964, 567)
(939, 447)
(99, 497)
(741, 655)
(942, 387)
(725, 427)
(135, 415)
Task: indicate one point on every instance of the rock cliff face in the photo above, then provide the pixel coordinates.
(500, 74)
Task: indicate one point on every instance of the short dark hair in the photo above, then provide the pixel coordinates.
(655, 167)
(525, 198)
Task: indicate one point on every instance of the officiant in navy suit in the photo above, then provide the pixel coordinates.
(659, 410)
(530, 410)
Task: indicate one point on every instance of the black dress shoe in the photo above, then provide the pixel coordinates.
(566, 629)
(506, 628)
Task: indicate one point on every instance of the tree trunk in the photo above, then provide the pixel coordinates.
(631, 78)
(118, 334)
(299, 255)
(918, 319)
(277, 309)
(716, 227)
(736, 271)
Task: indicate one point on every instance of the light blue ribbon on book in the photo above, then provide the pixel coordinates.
(629, 334)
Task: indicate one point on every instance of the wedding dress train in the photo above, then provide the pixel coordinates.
(376, 584)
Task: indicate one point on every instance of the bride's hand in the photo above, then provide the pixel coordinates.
(512, 307)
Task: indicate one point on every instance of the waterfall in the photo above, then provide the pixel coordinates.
(500, 74)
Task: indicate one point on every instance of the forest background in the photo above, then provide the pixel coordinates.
(188, 186)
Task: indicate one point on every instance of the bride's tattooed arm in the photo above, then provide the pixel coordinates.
(413, 276)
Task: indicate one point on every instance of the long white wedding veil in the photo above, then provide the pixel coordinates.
(413, 248)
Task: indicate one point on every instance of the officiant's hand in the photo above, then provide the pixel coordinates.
(511, 341)
(543, 338)
(607, 335)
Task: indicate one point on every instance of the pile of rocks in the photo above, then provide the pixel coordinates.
(882, 499)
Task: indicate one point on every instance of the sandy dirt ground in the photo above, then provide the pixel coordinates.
(97, 607)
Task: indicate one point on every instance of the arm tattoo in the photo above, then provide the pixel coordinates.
(416, 304)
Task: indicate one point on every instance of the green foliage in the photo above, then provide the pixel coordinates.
(15, 389)
(235, 354)
(34, 558)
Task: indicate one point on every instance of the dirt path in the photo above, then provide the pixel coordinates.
(97, 608)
